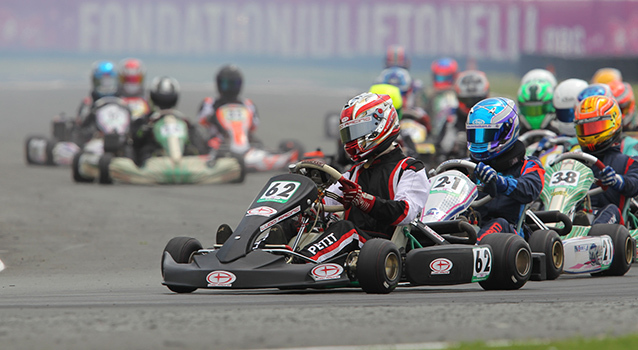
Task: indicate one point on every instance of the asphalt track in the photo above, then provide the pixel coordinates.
(82, 261)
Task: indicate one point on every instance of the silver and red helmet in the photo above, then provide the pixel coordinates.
(368, 125)
(131, 73)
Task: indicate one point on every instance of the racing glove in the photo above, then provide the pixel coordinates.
(487, 174)
(610, 178)
(354, 195)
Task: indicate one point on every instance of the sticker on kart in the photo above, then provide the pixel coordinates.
(326, 272)
(449, 184)
(565, 178)
(221, 278)
(279, 191)
(482, 263)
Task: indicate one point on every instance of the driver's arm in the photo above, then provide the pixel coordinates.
(631, 179)
(410, 195)
(527, 188)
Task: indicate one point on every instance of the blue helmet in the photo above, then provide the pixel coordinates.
(397, 76)
(103, 79)
(492, 127)
(595, 90)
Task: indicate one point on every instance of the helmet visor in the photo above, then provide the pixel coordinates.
(132, 79)
(565, 115)
(535, 109)
(593, 126)
(354, 129)
(482, 135)
(442, 79)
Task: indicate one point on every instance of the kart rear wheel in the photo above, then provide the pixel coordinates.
(75, 169)
(48, 149)
(512, 266)
(103, 166)
(379, 267)
(623, 248)
(181, 249)
(549, 243)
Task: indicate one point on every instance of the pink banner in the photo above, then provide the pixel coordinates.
(488, 29)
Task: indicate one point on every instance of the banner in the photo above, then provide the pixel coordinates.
(499, 30)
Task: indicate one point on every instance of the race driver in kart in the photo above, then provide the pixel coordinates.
(131, 74)
(598, 121)
(511, 178)
(229, 81)
(382, 190)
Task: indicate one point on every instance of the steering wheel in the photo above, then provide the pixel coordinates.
(467, 165)
(586, 159)
(323, 175)
(533, 134)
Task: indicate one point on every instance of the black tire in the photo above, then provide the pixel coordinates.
(103, 166)
(75, 169)
(549, 242)
(26, 149)
(181, 249)
(48, 150)
(623, 248)
(379, 267)
(242, 165)
(512, 265)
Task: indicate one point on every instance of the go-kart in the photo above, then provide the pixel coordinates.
(601, 249)
(169, 164)
(437, 253)
(546, 145)
(58, 149)
(235, 121)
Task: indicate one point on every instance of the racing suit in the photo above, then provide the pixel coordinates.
(207, 117)
(525, 178)
(400, 187)
(611, 202)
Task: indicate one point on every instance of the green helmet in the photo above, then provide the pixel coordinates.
(393, 92)
(535, 104)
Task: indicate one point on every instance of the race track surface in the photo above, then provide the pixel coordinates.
(83, 261)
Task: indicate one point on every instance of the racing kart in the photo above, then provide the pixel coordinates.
(170, 164)
(546, 145)
(439, 252)
(601, 249)
(235, 121)
(58, 149)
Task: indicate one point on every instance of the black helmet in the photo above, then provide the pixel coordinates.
(164, 92)
(229, 80)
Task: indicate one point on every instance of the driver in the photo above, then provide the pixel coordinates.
(103, 84)
(382, 190)
(229, 84)
(598, 122)
(492, 138)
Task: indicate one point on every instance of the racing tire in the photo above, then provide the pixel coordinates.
(379, 267)
(549, 243)
(512, 265)
(242, 171)
(181, 249)
(48, 150)
(623, 248)
(103, 166)
(75, 169)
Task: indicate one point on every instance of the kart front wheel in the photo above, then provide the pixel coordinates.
(623, 248)
(181, 249)
(379, 266)
(512, 265)
(549, 243)
(103, 166)
(75, 169)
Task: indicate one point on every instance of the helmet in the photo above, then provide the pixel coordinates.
(395, 56)
(229, 81)
(368, 125)
(103, 79)
(598, 123)
(565, 101)
(131, 73)
(624, 95)
(539, 74)
(595, 90)
(535, 104)
(444, 72)
(492, 128)
(606, 75)
(390, 90)
(164, 92)
(471, 86)
(397, 76)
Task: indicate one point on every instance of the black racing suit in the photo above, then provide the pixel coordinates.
(401, 188)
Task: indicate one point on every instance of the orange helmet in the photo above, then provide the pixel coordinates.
(624, 94)
(598, 122)
(606, 75)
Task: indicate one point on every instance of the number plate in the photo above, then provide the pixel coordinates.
(448, 184)
(279, 191)
(565, 178)
(482, 263)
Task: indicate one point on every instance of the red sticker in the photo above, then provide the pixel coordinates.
(441, 266)
(326, 272)
(220, 279)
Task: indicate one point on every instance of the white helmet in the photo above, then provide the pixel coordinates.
(539, 74)
(565, 101)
